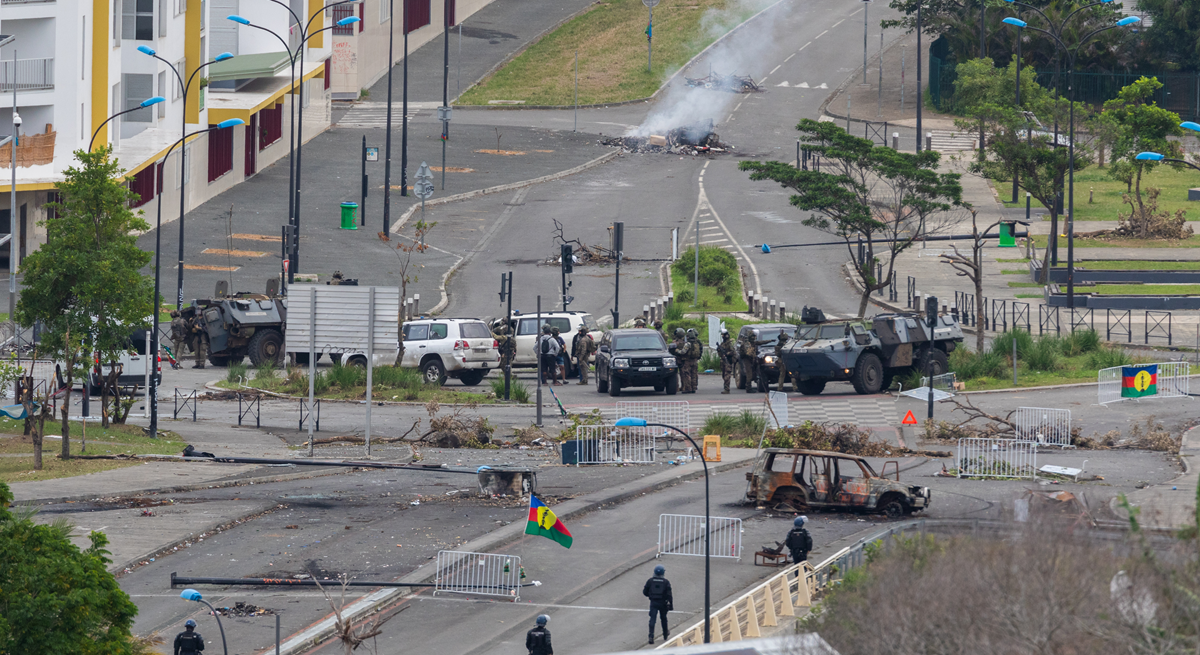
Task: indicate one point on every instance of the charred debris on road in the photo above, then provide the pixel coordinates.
(718, 82)
(695, 139)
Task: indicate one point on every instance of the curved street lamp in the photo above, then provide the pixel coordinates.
(152, 350)
(150, 52)
(1071, 54)
(148, 102)
(193, 595)
(296, 129)
(630, 422)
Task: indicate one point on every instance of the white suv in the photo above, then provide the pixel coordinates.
(528, 328)
(460, 348)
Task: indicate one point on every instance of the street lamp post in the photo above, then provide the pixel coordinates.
(146, 50)
(1071, 53)
(629, 422)
(152, 350)
(192, 594)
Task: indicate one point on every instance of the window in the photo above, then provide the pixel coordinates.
(385, 10)
(474, 331)
(416, 14)
(138, 20)
(116, 26)
(162, 91)
(220, 153)
(527, 326)
(180, 7)
(437, 331)
(143, 185)
(416, 332)
(638, 342)
(181, 68)
(52, 196)
(138, 87)
(270, 125)
(782, 463)
(162, 17)
(83, 49)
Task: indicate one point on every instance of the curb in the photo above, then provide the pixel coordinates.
(604, 105)
(283, 477)
(121, 569)
(319, 631)
(399, 403)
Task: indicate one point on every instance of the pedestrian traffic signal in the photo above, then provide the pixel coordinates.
(568, 259)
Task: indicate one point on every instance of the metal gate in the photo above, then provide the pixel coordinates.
(1172, 382)
(1050, 427)
(484, 574)
(675, 413)
(683, 534)
(1108, 385)
(996, 458)
(606, 444)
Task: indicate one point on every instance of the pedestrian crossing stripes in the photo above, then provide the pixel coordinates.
(374, 114)
(863, 412)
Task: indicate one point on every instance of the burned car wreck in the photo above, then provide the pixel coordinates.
(818, 479)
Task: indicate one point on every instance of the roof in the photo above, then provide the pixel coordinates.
(263, 64)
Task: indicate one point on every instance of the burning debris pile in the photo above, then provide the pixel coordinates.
(244, 609)
(693, 139)
(719, 82)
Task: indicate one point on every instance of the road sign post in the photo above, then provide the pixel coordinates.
(423, 188)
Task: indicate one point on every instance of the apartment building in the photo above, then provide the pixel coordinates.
(75, 63)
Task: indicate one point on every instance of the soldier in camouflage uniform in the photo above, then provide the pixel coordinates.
(179, 331)
(679, 349)
(582, 347)
(780, 343)
(728, 356)
(201, 339)
(506, 346)
(658, 326)
(639, 322)
(694, 352)
(749, 355)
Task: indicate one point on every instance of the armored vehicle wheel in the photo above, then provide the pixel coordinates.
(472, 378)
(221, 360)
(868, 374)
(266, 346)
(938, 366)
(811, 387)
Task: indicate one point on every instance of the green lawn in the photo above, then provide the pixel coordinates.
(1013, 261)
(710, 299)
(1024, 285)
(1173, 184)
(1137, 265)
(1029, 295)
(115, 440)
(1080, 242)
(1014, 271)
(610, 39)
(1145, 289)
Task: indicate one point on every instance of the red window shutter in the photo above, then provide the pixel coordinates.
(451, 8)
(220, 153)
(416, 14)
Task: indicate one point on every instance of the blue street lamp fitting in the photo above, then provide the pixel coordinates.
(1189, 125)
(147, 50)
(238, 19)
(150, 102)
(230, 123)
(1014, 21)
(1149, 156)
(1128, 20)
(347, 21)
(191, 594)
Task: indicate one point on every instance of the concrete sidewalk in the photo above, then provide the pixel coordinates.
(1172, 505)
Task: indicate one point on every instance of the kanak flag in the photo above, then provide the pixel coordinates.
(543, 521)
(1139, 381)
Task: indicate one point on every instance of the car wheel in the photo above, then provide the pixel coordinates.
(360, 362)
(433, 372)
(811, 386)
(892, 508)
(614, 387)
(472, 378)
(868, 374)
(672, 385)
(601, 384)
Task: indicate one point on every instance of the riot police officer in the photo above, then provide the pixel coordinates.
(537, 640)
(798, 540)
(658, 590)
(189, 642)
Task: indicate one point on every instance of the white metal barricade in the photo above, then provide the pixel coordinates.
(606, 444)
(945, 382)
(675, 413)
(1173, 379)
(683, 534)
(777, 417)
(42, 371)
(1049, 427)
(996, 458)
(1108, 385)
(484, 574)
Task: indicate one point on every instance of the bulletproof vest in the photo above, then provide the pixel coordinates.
(538, 639)
(658, 588)
(190, 643)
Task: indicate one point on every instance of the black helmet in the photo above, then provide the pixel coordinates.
(542, 619)
(659, 570)
(189, 624)
(657, 324)
(679, 332)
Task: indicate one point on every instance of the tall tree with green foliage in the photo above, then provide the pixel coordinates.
(1133, 123)
(85, 284)
(1170, 42)
(888, 199)
(54, 597)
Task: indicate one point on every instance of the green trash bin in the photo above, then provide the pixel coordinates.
(349, 221)
(1007, 232)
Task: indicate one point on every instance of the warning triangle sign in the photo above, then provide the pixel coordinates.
(909, 419)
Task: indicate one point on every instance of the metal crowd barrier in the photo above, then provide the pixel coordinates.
(676, 413)
(683, 534)
(1050, 427)
(607, 444)
(481, 574)
(996, 458)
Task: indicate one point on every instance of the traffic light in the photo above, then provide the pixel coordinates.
(503, 286)
(568, 259)
(931, 310)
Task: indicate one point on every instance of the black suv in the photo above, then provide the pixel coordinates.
(635, 357)
(768, 368)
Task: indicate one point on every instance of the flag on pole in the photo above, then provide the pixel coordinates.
(1139, 381)
(543, 521)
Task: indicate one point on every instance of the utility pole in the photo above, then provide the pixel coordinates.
(387, 157)
(618, 245)
(920, 99)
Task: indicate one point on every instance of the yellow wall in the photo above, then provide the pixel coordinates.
(101, 45)
(191, 50)
(317, 8)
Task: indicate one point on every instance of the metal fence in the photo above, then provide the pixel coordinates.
(483, 574)
(1045, 426)
(1172, 382)
(683, 534)
(27, 75)
(606, 444)
(1108, 385)
(996, 458)
(676, 413)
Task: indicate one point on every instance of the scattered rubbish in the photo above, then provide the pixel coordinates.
(291, 527)
(719, 82)
(695, 139)
(244, 609)
(147, 512)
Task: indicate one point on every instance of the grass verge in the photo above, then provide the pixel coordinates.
(711, 299)
(1107, 193)
(610, 38)
(350, 383)
(1145, 289)
(1080, 242)
(114, 440)
(1044, 360)
(1137, 265)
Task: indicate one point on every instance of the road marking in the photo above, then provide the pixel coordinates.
(706, 221)
(802, 85)
(774, 69)
(712, 241)
(801, 48)
(789, 57)
(739, 106)
(729, 119)
(783, 83)
(232, 253)
(819, 36)
(838, 23)
(708, 228)
(702, 202)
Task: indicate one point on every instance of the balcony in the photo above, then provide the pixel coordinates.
(30, 74)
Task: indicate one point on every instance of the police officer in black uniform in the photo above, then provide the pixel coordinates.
(189, 642)
(798, 541)
(658, 590)
(537, 640)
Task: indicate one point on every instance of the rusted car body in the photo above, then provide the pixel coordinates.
(819, 479)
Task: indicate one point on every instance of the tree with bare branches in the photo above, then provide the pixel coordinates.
(352, 636)
(970, 266)
(405, 248)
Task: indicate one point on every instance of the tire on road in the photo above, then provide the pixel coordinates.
(672, 385)
(614, 387)
(891, 506)
(266, 346)
(868, 374)
(433, 371)
(472, 377)
(601, 384)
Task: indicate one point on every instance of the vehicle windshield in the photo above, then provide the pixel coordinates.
(590, 323)
(638, 342)
(772, 333)
(833, 331)
(808, 333)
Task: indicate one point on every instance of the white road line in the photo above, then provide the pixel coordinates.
(702, 201)
(789, 57)
(711, 242)
(709, 228)
(801, 48)
(818, 36)
(702, 222)
(775, 69)
(838, 23)
(729, 119)
(739, 106)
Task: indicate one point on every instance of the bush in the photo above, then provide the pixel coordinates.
(236, 372)
(1043, 355)
(1081, 342)
(346, 377)
(397, 377)
(265, 372)
(746, 426)
(1108, 357)
(674, 312)
(716, 264)
(910, 380)
(517, 390)
(1002, 344)
(972, 366)
(683, 296)
(710, 361)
